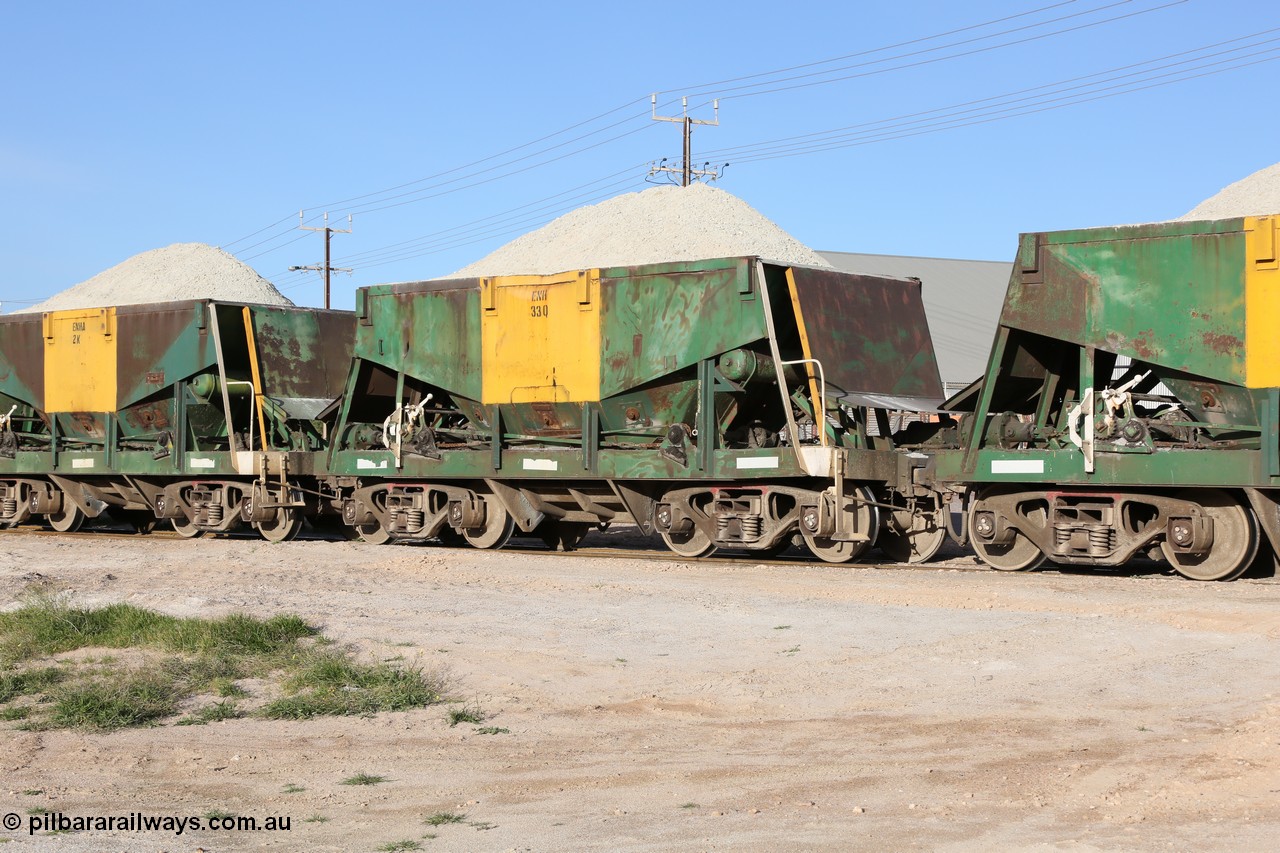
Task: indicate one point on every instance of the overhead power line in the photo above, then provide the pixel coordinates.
(919, 128)
(720, 93)
(1109, 75)
(511, 229)
(957, 115)
(713, 85)
(569, 198)
(327, 269)
(393, 196)
(686, 170)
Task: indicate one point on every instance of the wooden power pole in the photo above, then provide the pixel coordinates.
(326, 269)
(687, 172)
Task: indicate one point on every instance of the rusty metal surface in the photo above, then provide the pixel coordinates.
(1169, 294)
(160, 344)
(22, 359)
(430, 330)
(303, 352)
(660, 319)
(869, 332)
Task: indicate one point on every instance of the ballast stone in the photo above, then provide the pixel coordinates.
(1256, 195)
(660, 225)
(174, 273)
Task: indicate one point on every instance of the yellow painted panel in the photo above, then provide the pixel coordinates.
(80, 360)
(805, 350)
(1262, 301)
(540, 337)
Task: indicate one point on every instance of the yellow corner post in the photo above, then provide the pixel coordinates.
(815, 395)
(1262, 301)
(252, 345)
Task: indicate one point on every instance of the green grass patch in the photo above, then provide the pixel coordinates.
(49, 625)
(441, 818)
(227, 689)
(32, 681)
(215, 713)
(364, 779)
(394, 846)
(493, 730)
(291, 788)
(130, 699)
(468, 713)
(176, 659)
(329, 683)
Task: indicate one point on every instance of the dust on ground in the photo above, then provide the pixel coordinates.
(648, 703)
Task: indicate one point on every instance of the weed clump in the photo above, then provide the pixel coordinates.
(183, 659)
(329, 683)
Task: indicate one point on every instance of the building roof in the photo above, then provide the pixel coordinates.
(962, 300)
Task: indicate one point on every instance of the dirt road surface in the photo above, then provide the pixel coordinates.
(645, 703)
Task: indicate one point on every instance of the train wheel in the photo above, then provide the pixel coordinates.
(693, 544)
(912, 538)
(867, 517)
(562, 535)
(186, 529)
(67, 521)
(373, 533)
(1021, 555)
(833, 550)
(497, 529)
(283, 528)
(1235, 539)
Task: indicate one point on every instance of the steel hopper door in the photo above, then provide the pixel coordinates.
(869, 333)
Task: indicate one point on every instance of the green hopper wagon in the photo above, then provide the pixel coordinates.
(202, 414)
(731, 403)
(1131, 404)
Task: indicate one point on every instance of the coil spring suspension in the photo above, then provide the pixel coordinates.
(213, 513)
(414, 520)
(752, 527)
(1101, 541)
(8, 508)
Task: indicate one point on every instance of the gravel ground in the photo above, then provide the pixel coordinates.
(656, 704)
(664, 224)
(172, 274)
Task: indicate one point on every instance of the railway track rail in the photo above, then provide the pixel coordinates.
(628, 550)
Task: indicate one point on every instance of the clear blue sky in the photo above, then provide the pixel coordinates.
(129, 126)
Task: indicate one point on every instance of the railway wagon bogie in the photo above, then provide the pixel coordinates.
(1131, 404)
(1204, 534)
(718, 404)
